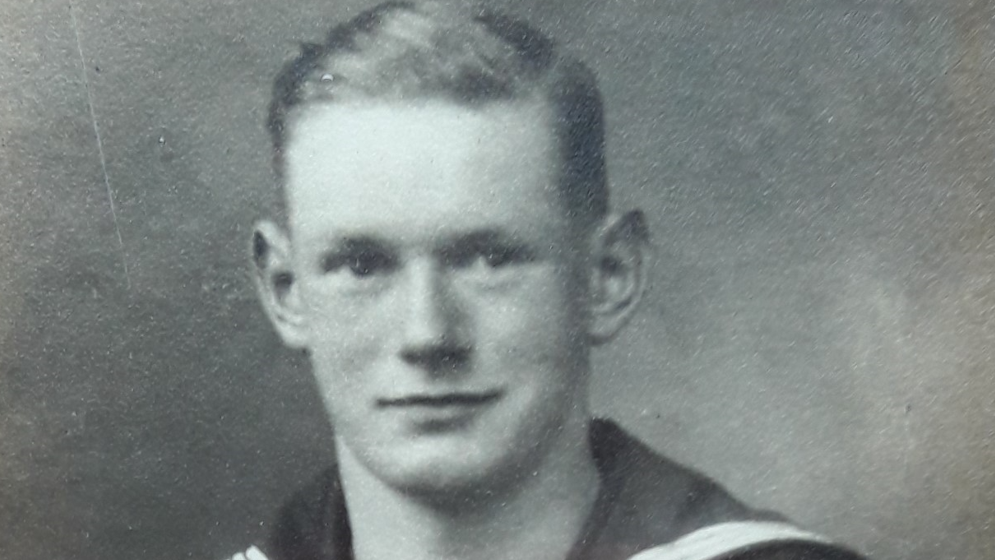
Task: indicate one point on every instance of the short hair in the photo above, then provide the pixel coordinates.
(402, 51)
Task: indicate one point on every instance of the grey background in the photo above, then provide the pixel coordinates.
(818, 334)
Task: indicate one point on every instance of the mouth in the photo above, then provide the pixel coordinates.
(440, 401)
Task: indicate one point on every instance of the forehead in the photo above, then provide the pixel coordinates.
(421, 165)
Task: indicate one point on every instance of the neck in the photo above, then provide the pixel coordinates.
(540, 518)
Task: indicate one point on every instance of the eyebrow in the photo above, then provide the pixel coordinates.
(454, 240)
(339, 249)
(480, 238)
(357, 242)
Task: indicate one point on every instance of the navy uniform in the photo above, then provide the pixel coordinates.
(648, 508)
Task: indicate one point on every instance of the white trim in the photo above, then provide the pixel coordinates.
(252, 554)
(724, 538)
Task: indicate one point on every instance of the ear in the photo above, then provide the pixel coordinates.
(274, 279)
(617, 278)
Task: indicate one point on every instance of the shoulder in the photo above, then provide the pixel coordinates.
(749, 540)
(653, 498)
(672, 512)
(793, 548)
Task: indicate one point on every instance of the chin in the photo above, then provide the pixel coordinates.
(452, 480)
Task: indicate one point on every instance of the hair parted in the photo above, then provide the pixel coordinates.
(404, 51)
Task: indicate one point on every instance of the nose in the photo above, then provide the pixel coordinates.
(432, 330)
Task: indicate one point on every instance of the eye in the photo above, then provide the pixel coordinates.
(496, 257)
(361, 263)
(492, 256)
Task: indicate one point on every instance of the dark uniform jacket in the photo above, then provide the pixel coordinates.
(645, 501)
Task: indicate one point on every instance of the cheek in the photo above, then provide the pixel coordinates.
(343, 362)
(538, 327)
(345, 342)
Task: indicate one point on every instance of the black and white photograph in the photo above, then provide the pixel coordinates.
(457, 280)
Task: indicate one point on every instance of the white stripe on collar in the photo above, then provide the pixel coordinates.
(721, 539)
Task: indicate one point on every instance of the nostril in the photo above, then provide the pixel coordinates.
(437, 358)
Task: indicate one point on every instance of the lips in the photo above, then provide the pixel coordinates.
(443, 400)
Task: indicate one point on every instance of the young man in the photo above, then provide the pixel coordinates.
(446, 256)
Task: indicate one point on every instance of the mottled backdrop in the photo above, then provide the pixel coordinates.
(818, 336)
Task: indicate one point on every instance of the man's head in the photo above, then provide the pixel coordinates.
(447, 257)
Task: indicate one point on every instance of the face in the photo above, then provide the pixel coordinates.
(440, 289)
